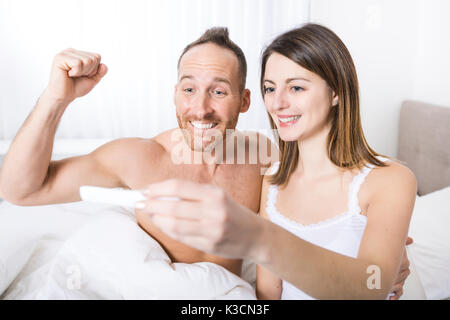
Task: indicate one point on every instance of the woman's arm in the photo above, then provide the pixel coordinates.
(268, 285)
(209, 220)
(324, 274)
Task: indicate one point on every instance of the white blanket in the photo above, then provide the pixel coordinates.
(86, 251)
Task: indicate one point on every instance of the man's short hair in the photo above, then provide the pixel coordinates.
(220, 37)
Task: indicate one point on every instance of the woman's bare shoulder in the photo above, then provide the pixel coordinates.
(394, 176)
(394, 170)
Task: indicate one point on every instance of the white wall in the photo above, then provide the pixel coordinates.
(400, 49)
(140, 41)
(432, 65)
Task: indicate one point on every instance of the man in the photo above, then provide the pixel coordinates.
(209, 95)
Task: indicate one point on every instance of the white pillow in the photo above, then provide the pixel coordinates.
(430, 252)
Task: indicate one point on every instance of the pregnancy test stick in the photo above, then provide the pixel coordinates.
(115, 196)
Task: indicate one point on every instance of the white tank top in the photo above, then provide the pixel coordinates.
(341, 233)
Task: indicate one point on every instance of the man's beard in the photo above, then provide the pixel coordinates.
(213, 137)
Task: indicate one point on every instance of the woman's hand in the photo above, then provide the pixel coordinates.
(205, 218)
(403, 273)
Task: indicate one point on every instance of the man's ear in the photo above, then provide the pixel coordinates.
(245, 104)
(175, 92)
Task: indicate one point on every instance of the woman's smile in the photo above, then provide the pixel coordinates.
(287, 120)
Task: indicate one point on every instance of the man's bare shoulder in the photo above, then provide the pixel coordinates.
(128, 158)
(271, 149)
(118, 154)
(124, 147)
(267, 150)
(167, 139)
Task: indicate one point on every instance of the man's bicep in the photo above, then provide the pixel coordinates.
(64, 178)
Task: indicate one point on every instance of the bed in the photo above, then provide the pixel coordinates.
(66, 252)
(85, 250)
(424, 146)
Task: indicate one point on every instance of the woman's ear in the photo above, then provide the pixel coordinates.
(335, 99)
(245, 101)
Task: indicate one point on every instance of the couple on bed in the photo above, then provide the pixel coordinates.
(333, 214)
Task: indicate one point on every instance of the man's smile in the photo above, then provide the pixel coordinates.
(203, 125)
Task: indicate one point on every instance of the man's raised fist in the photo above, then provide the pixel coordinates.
(74, 73)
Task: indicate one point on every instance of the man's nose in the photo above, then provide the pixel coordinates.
(202, 106)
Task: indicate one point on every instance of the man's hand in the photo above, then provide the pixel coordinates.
(74, 73)
(28, 176)
(404, 272)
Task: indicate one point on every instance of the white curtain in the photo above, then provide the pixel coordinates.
(140, 42)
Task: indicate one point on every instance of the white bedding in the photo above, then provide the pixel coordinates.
(51, 251)
(90, 251)
(430, 252)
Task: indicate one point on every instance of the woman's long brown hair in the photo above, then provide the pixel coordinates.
(319, 50)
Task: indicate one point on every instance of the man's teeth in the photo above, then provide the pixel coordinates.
(284, 120)
(199, 125)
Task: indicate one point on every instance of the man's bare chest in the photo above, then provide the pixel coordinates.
(242, 182)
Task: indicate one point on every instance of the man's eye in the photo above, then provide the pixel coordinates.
(297, 89)
(188, 90)
(269, 89)
(218, 92)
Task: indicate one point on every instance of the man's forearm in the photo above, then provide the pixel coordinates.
(25, 166)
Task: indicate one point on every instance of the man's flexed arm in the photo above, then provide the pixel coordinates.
(74, 73)
(26, 166)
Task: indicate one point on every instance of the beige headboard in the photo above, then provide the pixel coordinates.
(424, 144)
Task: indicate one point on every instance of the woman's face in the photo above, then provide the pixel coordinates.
(297, 99)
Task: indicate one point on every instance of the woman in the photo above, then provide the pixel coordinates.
(330, 188)
(340, 211)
